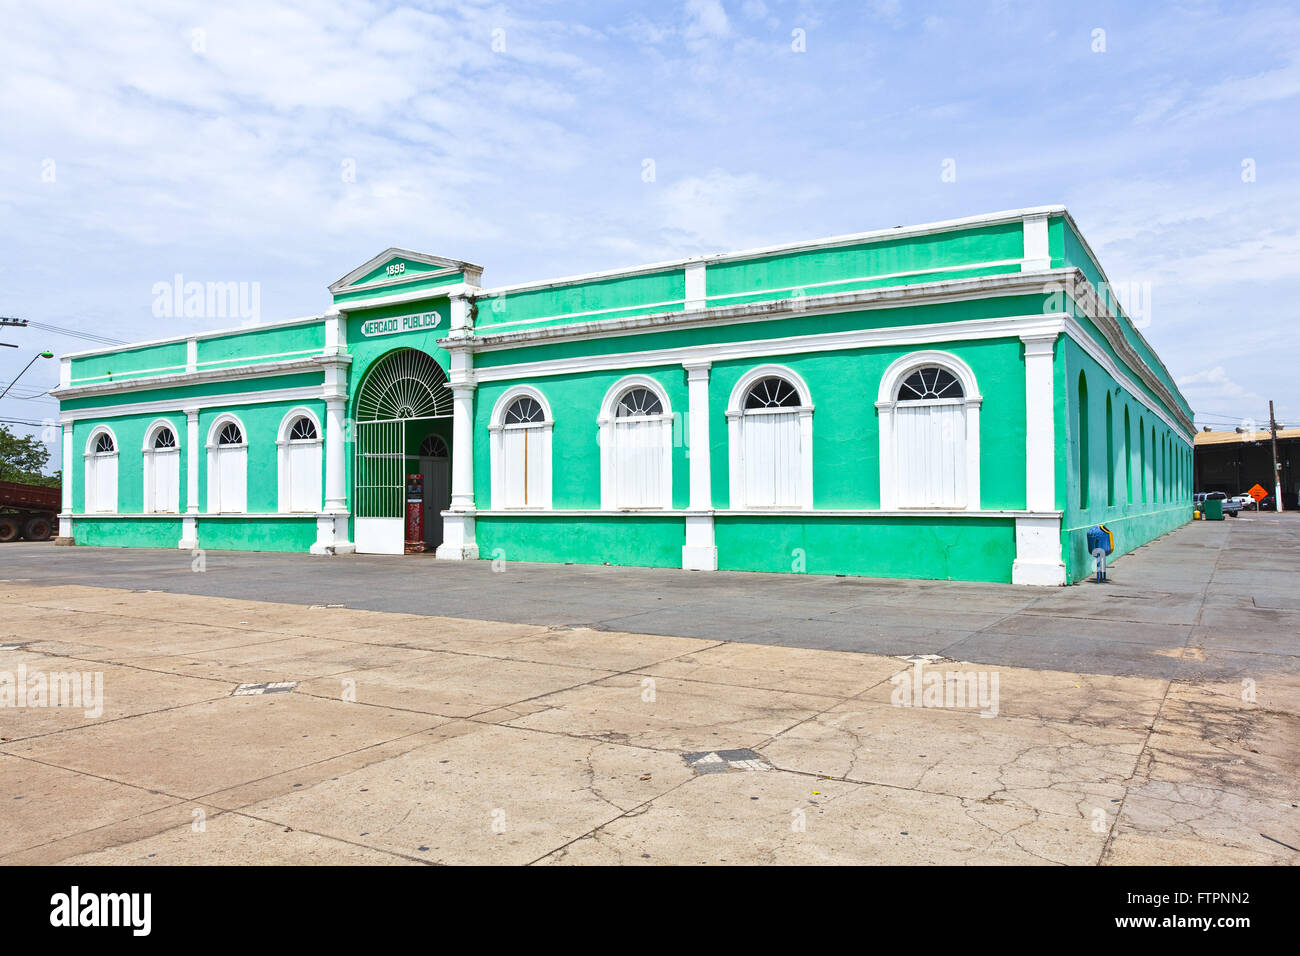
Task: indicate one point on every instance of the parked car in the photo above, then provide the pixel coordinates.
(1246, 501)
(1230, 505)
(1288, 504)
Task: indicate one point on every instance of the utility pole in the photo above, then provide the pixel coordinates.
(1277, 469)
(14, 323)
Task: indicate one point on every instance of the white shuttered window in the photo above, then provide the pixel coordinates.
(101, 474)
(637, 451)
(300, 463)
(162, 472)
(227, 470)
(930, 440)
(771, 430)
(525, 454)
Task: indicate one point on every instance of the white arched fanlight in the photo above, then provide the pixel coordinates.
(100, 471)
(227, 448)
(299, 442)
(769, 440)
(636, 444)
(928, 404)
(519, 449)
(161, 456)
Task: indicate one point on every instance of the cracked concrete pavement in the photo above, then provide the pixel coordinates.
(1154, 720)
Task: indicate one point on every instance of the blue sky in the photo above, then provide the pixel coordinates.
(142, 140)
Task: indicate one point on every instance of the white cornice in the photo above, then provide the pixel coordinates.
(194, 404)
(927, 293)
(312, 363)
(929, 333)
(1110, 329)
(442, 292)
(1083, 241)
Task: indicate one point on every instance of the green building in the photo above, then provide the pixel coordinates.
(959, 400)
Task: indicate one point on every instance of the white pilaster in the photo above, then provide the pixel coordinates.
(460, 315)
(190, 523)
(1040, 423)
(192, 355)
(458, 542)
(69, 476)
(332, 527)
(336, 501)
(1038, 552)
(336, 333)
(700, 553)
(696, 291)
(1038, 539)
(697, 389)
(1038, 257)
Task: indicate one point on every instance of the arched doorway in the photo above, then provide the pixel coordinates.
(435, 468)
(403, 429)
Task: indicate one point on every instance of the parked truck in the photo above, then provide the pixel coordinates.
(28, 511)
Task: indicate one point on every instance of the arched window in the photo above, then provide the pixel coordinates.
(1166, 481)
(101, 472)
(1110, 454)
(636, 443)
(1142, 460)
(769, 430)
(434, 447)
(299, 446)
(1155, 468)
(521, 450)
(929, 433)
(227, 467)
(1128, 457)
(162, 469)
(1082, 441)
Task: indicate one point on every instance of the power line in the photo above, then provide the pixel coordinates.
(75, 333)
(23, 421)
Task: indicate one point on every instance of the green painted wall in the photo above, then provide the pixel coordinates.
(261, 424)
(251, 345)
(990, 308)
(863, 265)
(811, 271)
(129, 363)
(158, 532)
(617, 297)
(129, 430)
(636, 540)
(575, 402)
(255, 345)
(1161, 482)
(265, 534)
(846, 426)
(970, 549)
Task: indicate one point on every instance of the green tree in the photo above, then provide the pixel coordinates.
(23, 459)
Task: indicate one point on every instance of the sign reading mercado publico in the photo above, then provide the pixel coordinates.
(420, 322)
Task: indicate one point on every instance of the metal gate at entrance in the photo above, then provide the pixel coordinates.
(401, 400)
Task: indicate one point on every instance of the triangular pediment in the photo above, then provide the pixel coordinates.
(395, 267)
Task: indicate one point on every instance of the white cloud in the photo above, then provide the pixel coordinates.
(706, 20)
